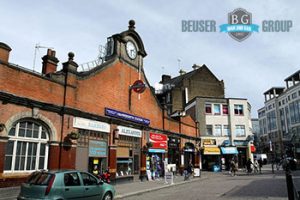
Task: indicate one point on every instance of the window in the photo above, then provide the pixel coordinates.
(88, 179)
(71, 179)
(208, 129)
(238, 110)
(217, 109)
(218, 130)
(226, 131)
(27, 147)
(294, 95)
(208, 108)
(240, 131)
(225, 109)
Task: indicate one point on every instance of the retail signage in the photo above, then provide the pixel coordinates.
(157, 151)
(240, 142)
(88, 124)
(129, 131)
(97, 148)
(229, 150)
(121, 115)
(159, 141)
(209, 142)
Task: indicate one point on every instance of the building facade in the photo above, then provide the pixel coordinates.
(226, 130)
(279, 119)
(106, 117)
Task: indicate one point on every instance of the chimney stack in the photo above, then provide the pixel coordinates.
(195, 67)
(4, 52)
(49, 62)
(165, 78)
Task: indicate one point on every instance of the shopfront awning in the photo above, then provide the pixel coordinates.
(211, 151)
(229, 150)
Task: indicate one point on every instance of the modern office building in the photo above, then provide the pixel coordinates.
(279, 119)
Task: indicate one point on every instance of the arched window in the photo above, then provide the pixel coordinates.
(27, 147)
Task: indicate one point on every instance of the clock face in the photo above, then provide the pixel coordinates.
(131, 50)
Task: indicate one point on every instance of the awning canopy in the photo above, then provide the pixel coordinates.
(211, 151)
(229, 150)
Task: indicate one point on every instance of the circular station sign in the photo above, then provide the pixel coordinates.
(138, 86)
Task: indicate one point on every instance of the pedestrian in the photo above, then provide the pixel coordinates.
(188, 171)
(255, 165)
(248, 165)
(233, 167)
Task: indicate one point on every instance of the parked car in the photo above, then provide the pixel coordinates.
(65, 184)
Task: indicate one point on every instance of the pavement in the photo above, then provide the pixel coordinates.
(124, 190)
(138, 187)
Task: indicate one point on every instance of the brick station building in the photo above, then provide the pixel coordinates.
(107, 117)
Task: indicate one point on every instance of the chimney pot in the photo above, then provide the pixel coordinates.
(165, 78)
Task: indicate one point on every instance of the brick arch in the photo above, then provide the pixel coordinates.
(52, 130)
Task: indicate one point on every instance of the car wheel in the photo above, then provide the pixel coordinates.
(107, 196)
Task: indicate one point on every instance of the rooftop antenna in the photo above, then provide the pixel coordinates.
(179, 61)
(37, 47)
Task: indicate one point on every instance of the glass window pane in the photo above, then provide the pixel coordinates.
(12, 131)
(19, 145)
(21, 132)
(7, 162)
(28, 162)
(22, 125)
(22, 167)
(17, 162)
(41, 162)
(29, 125)
(30, 148)
(33, 162)
(34, 148)
(28, 132)
(23, 151)
(217, 109)
(9, 147)
(43, 149)
(44, 135)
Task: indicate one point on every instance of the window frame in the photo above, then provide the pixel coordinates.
(17, 140)
(239, 109)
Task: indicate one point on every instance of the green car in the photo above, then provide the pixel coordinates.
(65, 184)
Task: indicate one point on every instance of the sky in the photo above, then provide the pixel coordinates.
(248, 68)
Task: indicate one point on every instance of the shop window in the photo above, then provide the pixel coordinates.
(27, 147)
(225, 109)
(124, 166)
(238, 110)
(208, 108)
(217, 109)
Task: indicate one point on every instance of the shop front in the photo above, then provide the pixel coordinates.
(156, 155)
(242, 148)
(228, 153)
(174, 152)
(211, 157)
(91, 151)
(128, 153)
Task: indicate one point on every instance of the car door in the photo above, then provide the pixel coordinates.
(93, 191)
(72, 186)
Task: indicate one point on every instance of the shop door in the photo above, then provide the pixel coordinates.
(136, 164)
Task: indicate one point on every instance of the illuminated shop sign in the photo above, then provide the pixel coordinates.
(121, 115)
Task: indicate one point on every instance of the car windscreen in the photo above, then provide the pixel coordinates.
(39, 178)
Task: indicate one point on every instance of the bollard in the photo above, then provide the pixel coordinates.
(289, 184)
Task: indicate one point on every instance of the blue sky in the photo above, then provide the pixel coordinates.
(248, 68)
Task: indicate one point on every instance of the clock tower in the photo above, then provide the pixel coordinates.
(127, 46)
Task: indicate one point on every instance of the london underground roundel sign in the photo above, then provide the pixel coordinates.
(138, 86)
